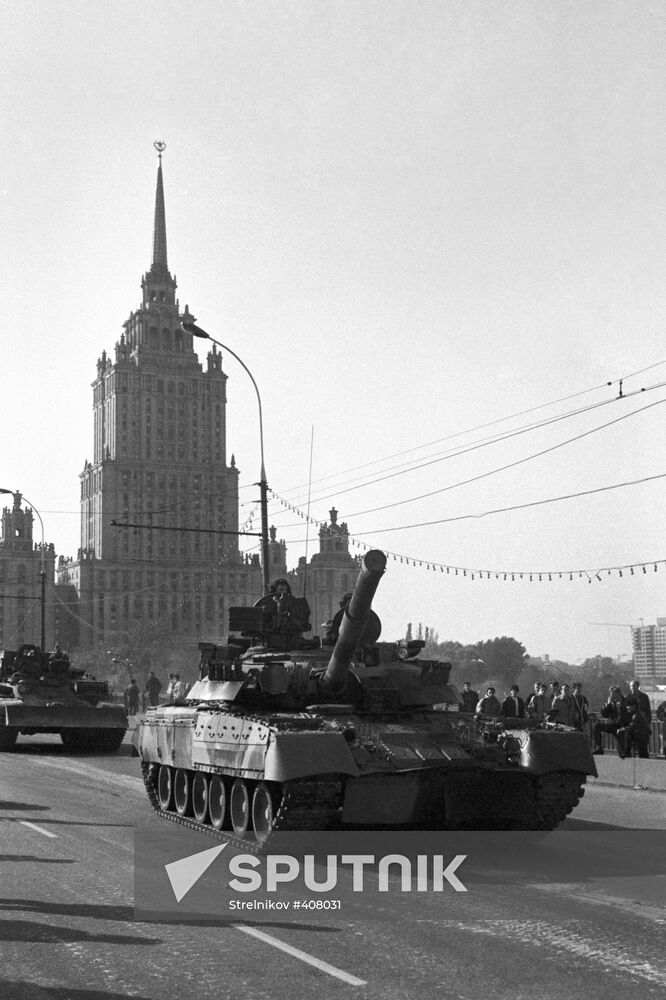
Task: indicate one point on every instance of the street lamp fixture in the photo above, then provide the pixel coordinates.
(196, 331)
(42, 571)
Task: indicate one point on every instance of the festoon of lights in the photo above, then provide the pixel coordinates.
(530, 576)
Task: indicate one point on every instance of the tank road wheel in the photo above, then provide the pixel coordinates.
(556, 794)
(239, 806)
(217, 801)
(182, 792)
(200, 797)
(8, 736)
(265, 804)
(165, 787)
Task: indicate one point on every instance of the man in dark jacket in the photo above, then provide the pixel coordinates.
(469, 698)
(581, 706)
(614, 717)
(636, 734)
(153, 688)
(131, 697)
(513, 707)
(637, 700)
(489, 704)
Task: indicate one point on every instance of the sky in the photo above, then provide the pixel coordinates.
(425, 227)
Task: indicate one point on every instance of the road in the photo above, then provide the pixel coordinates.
(579, 913)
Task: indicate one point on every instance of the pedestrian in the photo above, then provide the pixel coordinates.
(170, 687)
(469, 698)
(636, 734)
(153, 688)
(563, 705)
(538, 705)
(513, 706)
(131, 697)
(489, 704)
(614, 717)
(581, 706)
(554, 691)
(637, 700)
(180, 688)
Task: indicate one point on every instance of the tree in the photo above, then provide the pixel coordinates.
(504, 659)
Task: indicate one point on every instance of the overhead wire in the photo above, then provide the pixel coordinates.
(491, 423)
(512, 507)
(456, 452)
(509, 465)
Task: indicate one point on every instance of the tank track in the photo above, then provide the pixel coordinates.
(555, 795)
(306, 804)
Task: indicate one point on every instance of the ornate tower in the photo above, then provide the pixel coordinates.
(20, 579)
(330, 573)
(159, 505)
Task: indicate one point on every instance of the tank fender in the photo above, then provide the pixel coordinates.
(544, 750)
(303, 754)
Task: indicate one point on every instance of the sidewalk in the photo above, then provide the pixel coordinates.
(631, 772)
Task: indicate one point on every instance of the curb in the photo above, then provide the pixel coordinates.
(629, 788)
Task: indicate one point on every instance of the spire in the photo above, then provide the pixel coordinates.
(157, 284)
(159, 234)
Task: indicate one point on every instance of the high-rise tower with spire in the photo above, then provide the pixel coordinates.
(159, 503)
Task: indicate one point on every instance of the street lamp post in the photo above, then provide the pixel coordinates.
(42, 571)
(196, 331)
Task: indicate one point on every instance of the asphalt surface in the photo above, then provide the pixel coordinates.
(577, 913)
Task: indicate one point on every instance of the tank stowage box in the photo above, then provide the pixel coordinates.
(285, 733)
(44, 693)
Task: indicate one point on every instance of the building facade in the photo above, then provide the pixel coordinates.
(649, 646)
(21, 568)
(159, 501)
(329, 575)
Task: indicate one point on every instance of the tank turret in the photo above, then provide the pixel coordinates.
(354, 621)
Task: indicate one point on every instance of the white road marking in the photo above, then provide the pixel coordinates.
(301, 955)
(39, 829)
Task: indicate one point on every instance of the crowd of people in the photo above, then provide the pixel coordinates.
(134, 698)
(627, 717)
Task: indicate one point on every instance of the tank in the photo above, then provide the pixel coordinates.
(287, 733)
(43, 693)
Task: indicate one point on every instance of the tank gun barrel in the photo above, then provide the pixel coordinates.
(354, 620)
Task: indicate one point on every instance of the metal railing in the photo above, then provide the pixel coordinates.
(656, 746)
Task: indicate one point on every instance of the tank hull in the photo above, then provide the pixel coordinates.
(429, 771)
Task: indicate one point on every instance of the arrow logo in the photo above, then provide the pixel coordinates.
(185, 874)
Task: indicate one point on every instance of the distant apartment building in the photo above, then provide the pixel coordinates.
(649, 646)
